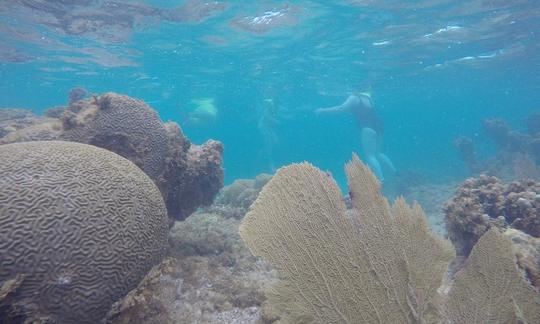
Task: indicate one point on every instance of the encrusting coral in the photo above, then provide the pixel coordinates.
(380, 265)
(80, 226)
(484, 202)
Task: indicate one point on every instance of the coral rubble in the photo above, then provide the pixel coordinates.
(80, 227)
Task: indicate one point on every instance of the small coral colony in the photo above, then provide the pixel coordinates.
(107, 214)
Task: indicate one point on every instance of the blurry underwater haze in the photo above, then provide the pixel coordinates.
(436, 68)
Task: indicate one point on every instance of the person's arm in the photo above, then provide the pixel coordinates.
(330, 110)
(344, 107)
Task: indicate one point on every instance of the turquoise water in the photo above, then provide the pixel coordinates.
(436, 69)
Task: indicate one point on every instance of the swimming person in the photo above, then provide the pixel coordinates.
(361, 107)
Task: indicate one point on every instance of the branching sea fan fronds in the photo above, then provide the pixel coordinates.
(378, 264)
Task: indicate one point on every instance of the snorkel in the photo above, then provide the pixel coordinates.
(366, 94)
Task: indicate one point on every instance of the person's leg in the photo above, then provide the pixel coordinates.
(375, 167)
(369, 146)
(386, 162)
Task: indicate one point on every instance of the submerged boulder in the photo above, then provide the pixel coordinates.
(80, 227)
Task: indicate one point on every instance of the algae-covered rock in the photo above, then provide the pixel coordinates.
(80, 226)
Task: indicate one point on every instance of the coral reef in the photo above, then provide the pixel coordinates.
(336, 269)
(209, 277)
(512, 145)
(12, 119)
(205, 234)
(193, 290)
(497, 130)
(76, 94)
(193, 174)
(379, 264)
(43, 129)
(484, 202)
(80, 227)
(233, 201)
(467, 215)
(466, 148)
(189, 176)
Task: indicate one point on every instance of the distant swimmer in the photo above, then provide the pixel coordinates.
(203, 112)
(361, 107)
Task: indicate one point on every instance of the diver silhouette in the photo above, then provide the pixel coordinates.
(361, 107)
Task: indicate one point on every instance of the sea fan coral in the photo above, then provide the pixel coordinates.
(382, 266)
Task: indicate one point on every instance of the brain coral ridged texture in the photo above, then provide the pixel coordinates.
(79, 227)
(121, 124)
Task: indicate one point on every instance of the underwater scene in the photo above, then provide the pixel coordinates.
(311, 161)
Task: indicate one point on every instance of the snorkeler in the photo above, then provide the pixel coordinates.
(361, 106)
(203, 112)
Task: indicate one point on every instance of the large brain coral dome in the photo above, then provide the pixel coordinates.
(121, 124)
(80, 226)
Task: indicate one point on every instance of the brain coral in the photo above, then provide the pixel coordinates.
(121, 124)
(79, 227)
